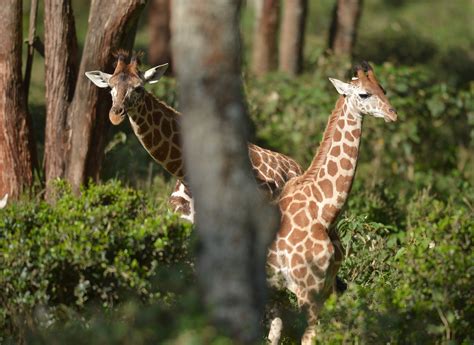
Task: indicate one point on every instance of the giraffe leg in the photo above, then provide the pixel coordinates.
(275, 331)
(309, 335)
(272, 314)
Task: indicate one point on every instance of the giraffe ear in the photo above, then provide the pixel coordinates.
(99, 78)
(154, 74)
(341, 87)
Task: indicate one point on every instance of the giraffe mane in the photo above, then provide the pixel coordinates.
(325, 142)
(121, 54)
(137, 57)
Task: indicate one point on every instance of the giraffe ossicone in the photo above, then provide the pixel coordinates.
(157, 127)
(306, 253)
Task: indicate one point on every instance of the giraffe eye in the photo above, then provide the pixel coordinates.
(364, 95)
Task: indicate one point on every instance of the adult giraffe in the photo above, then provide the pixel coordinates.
(157, 127)
(305, 255)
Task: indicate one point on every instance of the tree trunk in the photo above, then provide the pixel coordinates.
(292, 36)
(344, 24)
(159, 51)
(233, 222)
(264, 54)
(112, 25)
(61, 66)
(16, 145)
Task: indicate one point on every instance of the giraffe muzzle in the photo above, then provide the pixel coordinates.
(391, 115)
(117, 115)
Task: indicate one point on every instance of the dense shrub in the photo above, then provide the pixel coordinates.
(98, 248)
(408, 286)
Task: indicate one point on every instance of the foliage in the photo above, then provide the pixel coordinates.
(409, 285)
(100, 248)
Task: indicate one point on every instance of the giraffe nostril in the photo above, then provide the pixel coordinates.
(118, 110)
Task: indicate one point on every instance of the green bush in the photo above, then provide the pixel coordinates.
(407, 286)
(98, 248)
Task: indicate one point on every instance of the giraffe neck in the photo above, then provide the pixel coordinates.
(334, 165)
(157, 127)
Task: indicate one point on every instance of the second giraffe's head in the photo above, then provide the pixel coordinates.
(366, 94)
(126, 83)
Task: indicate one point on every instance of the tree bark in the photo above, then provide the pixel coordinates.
(292, 36)
(112, 25)
(159, 51)
(16, 145)
(233, 222)
(264, 54)
(61, 66)
(342, 34)
(31, 48)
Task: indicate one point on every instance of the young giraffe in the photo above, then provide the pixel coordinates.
(305, 255)
(157, 127)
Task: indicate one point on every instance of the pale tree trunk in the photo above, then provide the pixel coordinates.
(159, 49)
(61, 65)
(234, 224)
(16, 142)
(264, 53)
(112, 25)
(292, 36)
(344, 26)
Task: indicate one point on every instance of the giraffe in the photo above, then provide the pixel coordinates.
(306, 255)
(271, 170)
(157, 127)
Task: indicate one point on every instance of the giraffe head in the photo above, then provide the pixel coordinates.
(126, 83)
(365, 94)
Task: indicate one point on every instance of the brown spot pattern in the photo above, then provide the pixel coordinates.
(326, 187)
(156, 137)
(313, 209)
(282, 245)
(296, 260)
(335, 151)
(284, 203)
(346, 164)
(332, 168)
(165, 127)
(147, 140)
(318, 232)
(301, 273)
(175, 153)
(342, 183)
(356, 133)
(297, 236)
(301, 219)
(173, 166)
(351, 151)
(317, 194)
(329, 211)
(162, 152)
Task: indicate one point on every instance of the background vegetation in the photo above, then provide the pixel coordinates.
(115, 266)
